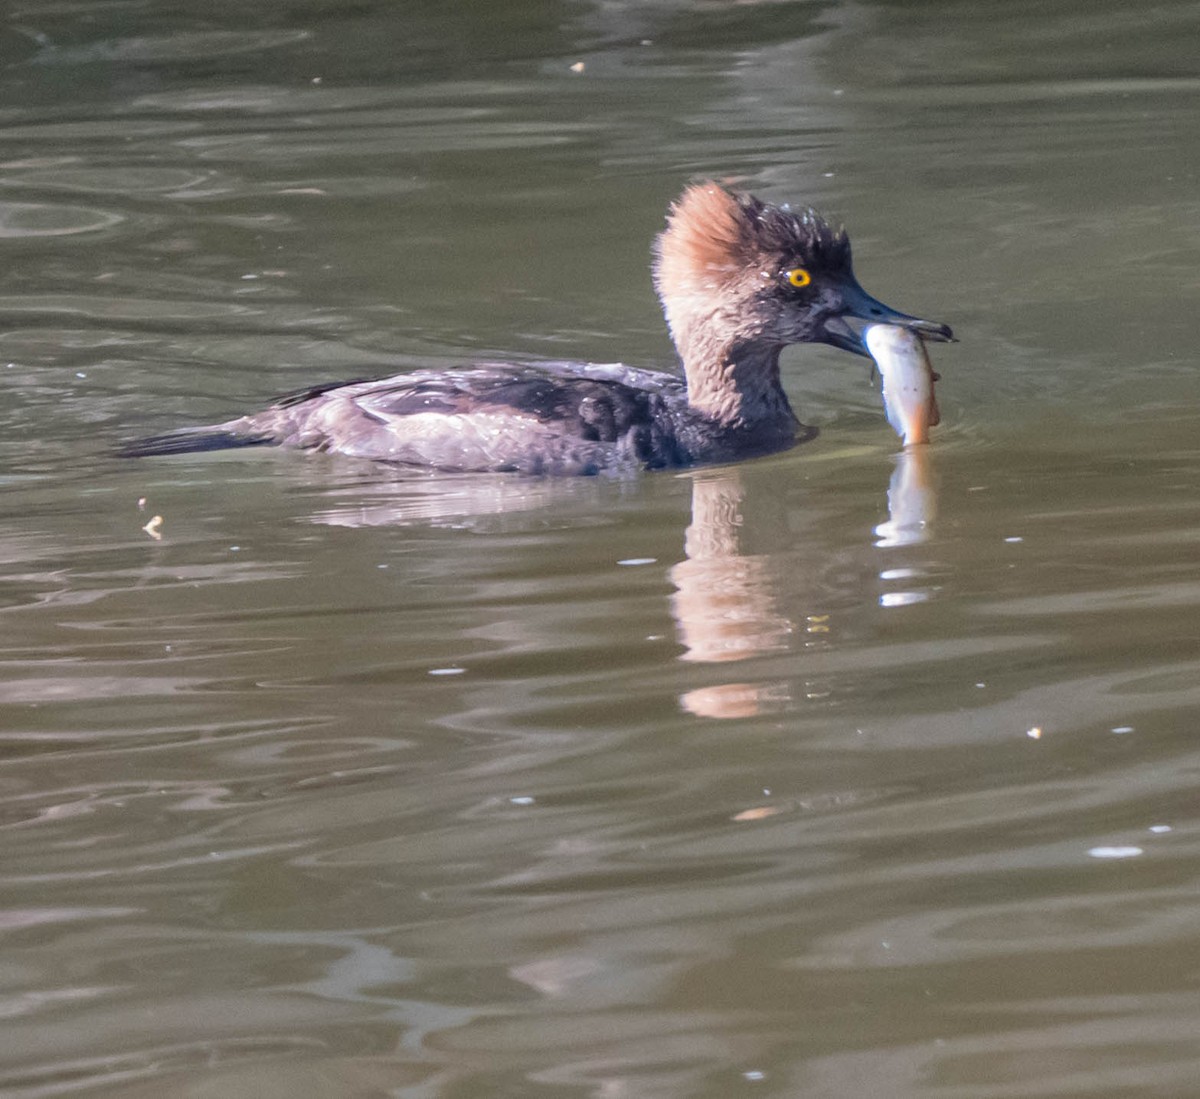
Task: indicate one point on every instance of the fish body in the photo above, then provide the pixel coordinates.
(907, 379)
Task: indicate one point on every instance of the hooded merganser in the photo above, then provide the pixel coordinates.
(738, 278)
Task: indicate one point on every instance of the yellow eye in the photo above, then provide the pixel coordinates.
(797, 277)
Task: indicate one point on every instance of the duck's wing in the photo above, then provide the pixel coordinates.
(499, 418)
(595, 407)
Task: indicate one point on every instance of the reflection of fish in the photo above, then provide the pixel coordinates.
(912, 501)
(907, 380)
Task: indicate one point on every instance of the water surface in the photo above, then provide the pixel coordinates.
(840, 773)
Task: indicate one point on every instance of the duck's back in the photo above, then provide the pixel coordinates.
(562, 418)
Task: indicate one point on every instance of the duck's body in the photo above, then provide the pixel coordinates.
(553, 418)
(739, 280)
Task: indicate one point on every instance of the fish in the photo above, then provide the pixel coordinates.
(906, 376)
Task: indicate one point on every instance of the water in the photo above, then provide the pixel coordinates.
(840, 773)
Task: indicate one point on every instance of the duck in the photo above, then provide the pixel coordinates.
(739, 279)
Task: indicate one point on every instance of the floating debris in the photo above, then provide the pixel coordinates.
(760, 812)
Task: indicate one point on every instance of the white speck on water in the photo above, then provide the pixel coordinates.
(1035, 733)
(1120, 730)
(1114, 852)
(80, 374)
(1014, 540)
(234, 549)
(381, 566)
(902, 598)
(897, 574)
(523, 799)
(754, 1074)
(1159, 829)
(981, 685)
(766, 792)
(247, 278)
(446, 671)
(630, 562)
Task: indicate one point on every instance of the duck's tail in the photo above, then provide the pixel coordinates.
(193, 440)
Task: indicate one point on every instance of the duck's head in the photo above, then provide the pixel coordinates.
(732, 269)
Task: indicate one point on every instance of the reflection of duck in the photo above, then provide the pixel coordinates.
(726, 598)
(739, 279)
(738, 594)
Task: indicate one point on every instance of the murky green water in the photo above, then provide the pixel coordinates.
(729, 783)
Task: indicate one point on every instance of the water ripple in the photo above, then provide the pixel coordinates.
(36, 219)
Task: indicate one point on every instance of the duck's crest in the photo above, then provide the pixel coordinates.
(713, 234)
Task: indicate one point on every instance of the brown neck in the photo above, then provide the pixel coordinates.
(736, 382)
